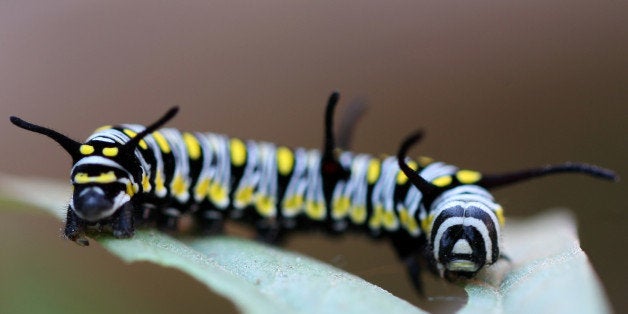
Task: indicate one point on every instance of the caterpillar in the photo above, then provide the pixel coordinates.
(434, 214)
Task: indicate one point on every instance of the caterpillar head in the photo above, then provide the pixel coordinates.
(464, 221)
(102, 184)
(104, 176)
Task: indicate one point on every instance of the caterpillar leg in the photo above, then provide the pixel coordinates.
(414, 271)
(505, 257)
(168, 220)
(408, 252)
(75, 228)
(210, 222)
(123, 221)
(270, 231)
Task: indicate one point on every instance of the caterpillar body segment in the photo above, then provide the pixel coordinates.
(215, 176)
(435, 214)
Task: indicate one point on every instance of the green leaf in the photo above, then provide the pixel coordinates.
(256, 277)
(547, 271)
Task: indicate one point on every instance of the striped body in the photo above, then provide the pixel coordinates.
(433, 213)
(221, 176)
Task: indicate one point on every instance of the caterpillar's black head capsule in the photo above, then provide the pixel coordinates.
(105, 176)
(99, 188)
(92, 203)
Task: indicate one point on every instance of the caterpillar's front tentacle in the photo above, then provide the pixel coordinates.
(71, 146)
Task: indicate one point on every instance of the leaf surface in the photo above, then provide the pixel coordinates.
(547, 270)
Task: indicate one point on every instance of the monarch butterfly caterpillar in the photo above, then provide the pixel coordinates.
(431, 211)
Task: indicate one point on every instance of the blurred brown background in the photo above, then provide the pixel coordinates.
(497, 85)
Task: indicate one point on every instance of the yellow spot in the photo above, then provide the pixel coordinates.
(403, 216)
(401, 177)
(179, 186)
(442, 181)
(376, 220)
(426, 224)
(358, 214)
(145, 183)
(161, 141)
(293, 204)
(217, 193)
(201, 189)
(425, 161)
(389, 220)
(408, 222)
(102, 128)
(374, 169)
(132, 134)
(86, 149)
(244, 196)
(110, 151)
(340, 207)
(285, 160)
(315, 210)
(468, 176)
(499, 212)
(103, 178)
(265, 205)
(194, 148)
(129, 189)
(412, 225)
(238, 152)
(159, 182)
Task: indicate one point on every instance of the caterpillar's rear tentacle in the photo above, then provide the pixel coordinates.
(429, 190)
(491, 181)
